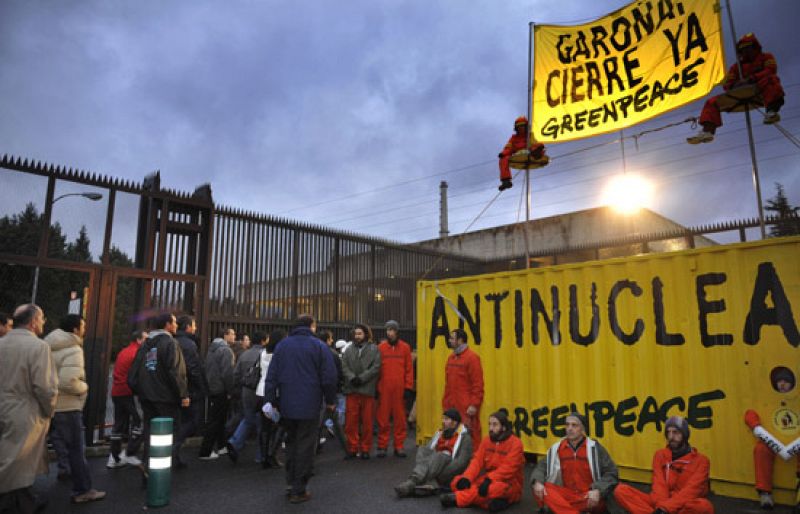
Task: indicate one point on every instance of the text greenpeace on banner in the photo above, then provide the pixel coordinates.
(645, 59)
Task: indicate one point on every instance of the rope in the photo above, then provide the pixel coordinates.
(788, 135)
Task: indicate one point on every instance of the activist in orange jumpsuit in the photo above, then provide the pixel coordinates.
(758, 68)
(763, 457)
(463, 384)
(680, 478)
(396, 379)
(517, 142)
(493, 479)
(577, 475)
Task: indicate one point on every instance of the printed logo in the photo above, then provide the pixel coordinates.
(786, 421)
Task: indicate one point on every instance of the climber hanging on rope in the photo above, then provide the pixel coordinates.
(757, 85)
(519, 155)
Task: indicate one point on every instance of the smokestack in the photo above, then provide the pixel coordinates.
(443, 232)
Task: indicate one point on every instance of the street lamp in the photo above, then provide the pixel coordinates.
(91, 196)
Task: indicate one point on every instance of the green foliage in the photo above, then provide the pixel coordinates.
(788, 223)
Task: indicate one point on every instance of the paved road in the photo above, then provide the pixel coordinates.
(359, 487)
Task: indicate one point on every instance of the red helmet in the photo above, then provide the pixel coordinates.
(748, 40)
(522, 120)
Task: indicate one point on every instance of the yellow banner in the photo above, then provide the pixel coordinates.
(640, 61)
(629, 342)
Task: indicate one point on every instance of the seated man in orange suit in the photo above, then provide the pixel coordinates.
(680, 478)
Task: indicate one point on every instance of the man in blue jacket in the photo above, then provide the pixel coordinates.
(301, 375)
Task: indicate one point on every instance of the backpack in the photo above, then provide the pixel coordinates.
(252, 375)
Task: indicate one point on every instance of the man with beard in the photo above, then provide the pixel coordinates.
(395, 383)
(680, 478)
(361, 365)
(444, 457)
(463, 383)
(577, 475)
(493, 479)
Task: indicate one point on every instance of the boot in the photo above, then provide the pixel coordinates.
(772, 116)
(765, 500)
(447, 500)
(702, 136)
(498, 504)
(505, 184)
(405, 489)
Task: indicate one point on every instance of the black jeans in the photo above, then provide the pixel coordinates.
(301, 446)
(158, 410)
(190, 423)
(18, 501)
(127, 424)
(214, 434)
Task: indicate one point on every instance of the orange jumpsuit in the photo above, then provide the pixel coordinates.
(397, 375)
(679, 486)
(763, 70)
(577, 479)
(463, 386)
(503, 463)
(514, 145)
(763, 456)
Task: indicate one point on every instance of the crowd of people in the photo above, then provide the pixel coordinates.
(292, 391)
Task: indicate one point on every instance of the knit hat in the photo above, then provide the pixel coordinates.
(581, 419)
(782, 373)
(453, 414)
(680, 424)
(502, 416)
(392, 324)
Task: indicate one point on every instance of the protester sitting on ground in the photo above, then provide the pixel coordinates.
(680, 478)
(446, 455)
(577, 474)
(493, 479)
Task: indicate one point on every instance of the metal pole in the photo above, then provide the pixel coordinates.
(756, 180)
(530, 137)
(159, 462)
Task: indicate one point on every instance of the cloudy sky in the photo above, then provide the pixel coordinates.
(348, 114)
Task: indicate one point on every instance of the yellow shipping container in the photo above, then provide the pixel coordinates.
(629, 342)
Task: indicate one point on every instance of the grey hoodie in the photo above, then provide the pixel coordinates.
(219, 368)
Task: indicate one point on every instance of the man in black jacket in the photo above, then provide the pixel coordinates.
(158, 377)
(198, 388)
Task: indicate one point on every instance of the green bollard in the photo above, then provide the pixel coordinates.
(160, 462)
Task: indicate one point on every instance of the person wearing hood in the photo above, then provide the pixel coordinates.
(680, 478)
(28, 394)
(66, 345)
(191, 416)
(361, 366)
(463, 383)
(577, 474)
(219, 374)
(158, 377)
(395, 383)
(446, 455)
(759, 69)
(493, 479)
(518, 141)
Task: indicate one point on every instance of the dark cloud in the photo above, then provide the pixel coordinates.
(286, 106)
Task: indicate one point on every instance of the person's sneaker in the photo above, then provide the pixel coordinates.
(771, 117)
(447, 500)
(701, 137)
(92, 495)
(222, 451)
(299, 498)
(400, 453)
(133, 460)
(765, 500)
(405, 489)
(381, 453)
(506, 184)
(231, 452)
(114, 463)
(211, 456)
